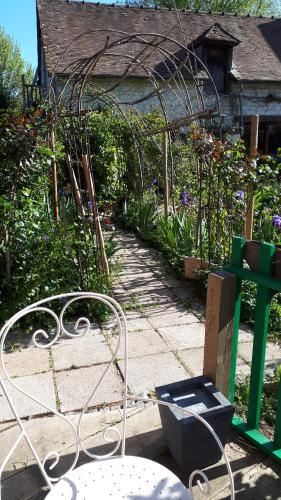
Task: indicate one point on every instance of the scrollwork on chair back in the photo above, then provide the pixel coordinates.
(43, 340)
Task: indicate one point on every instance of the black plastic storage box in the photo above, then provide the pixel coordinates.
(189, 441)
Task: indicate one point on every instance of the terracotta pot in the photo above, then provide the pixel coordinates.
(252, 254)
(277, 263)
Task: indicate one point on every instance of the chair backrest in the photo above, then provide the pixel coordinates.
(44, 340)
(57, 307)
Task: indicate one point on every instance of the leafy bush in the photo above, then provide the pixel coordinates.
(39, 256)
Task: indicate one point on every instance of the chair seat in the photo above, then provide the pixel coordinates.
(129, 477)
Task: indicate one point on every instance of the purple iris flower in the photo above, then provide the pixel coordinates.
(240, 196)
(186, 199)
(46, 237)
(90, 205)
(276, 220)
(183, 198)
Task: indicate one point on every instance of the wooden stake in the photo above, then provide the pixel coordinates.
(165, 173)
(63, 212)
(75, 188)
(8, 257)
(220, 309)
(250, 188)
(92, 196)
(54, 177)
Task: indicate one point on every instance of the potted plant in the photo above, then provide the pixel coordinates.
(189, 441)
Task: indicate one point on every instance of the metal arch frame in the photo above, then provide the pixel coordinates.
(79, 446)
(128, 38)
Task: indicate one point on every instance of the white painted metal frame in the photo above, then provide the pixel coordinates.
(50, 339)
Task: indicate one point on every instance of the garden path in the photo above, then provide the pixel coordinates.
(166, 337)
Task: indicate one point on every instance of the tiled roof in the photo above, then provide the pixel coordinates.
(257, 56)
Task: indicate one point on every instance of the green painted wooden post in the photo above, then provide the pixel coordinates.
(277, 433)
(266, 285)
(238, 246)
(264, 296)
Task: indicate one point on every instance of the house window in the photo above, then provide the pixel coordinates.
(216, 61)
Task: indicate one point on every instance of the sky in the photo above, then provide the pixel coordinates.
(18, 18)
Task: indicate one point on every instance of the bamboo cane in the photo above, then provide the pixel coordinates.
(250, 188)
(75, 188)
(165, 173)
(92, 196)
(54, 177)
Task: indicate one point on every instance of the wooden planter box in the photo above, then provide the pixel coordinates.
(252, 258)
(192, 265)
(189, 441)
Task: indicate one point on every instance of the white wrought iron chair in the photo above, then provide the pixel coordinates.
(114, 475)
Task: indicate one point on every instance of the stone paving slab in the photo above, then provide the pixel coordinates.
(135, 321)
(245, 334)
(260, 482)
(140, 343)
(27, 361)
(242, 369)
(155, 296)
(272, 353)
(193, 360)
(39, 385)
(170, 316)
(75, 386)
(184, 336)
(83, 351)
(147, 372)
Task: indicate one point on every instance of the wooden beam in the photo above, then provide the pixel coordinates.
(220, 309)
(250, 188)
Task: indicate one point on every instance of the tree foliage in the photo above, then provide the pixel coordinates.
(12, 68)
(255, 7)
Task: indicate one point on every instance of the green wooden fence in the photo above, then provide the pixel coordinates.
(266, 287)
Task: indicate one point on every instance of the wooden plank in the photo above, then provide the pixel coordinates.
(220, 309)
(192, 265)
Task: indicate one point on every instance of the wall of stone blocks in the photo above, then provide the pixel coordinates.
(260, 98)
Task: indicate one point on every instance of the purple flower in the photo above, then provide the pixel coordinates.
(186, 199)
(240, 196)
(276, 220)
(46, 237)
(90, 205)
(152, 184)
